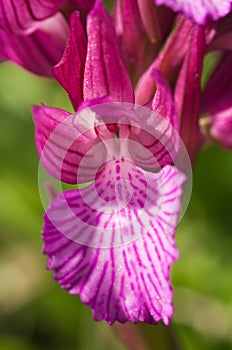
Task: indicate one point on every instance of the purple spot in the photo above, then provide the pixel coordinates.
(117, 168)
(140, 203)
(118, 178)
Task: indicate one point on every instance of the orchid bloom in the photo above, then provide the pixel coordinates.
(112, 242)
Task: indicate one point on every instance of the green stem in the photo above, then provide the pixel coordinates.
(146, 337)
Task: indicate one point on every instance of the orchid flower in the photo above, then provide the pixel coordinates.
(112, 242)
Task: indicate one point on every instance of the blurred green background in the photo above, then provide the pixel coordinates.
(34, 312)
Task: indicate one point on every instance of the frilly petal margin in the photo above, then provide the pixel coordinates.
(199, 10)
(105, 73)
(61, 146)
(39, 51)
(73, 61)
(24, 16)
(125, 282)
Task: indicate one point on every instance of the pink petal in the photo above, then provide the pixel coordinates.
(217, 103)
(188, 90)
(159, 129)
(62, 146)
(70, 70)
(131, 34)
(24, 16)
(221, 128)
(39, 51)
(168, 61)
(149, 16)
(105, 73)
(199, 10)
(123, 273)
(163, 101)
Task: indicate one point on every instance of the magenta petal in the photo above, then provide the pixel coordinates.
(187, 92)
(159, 132)
(217, 103)
(221, 127)
(39, 51)
(24, 16)
(131, 34)
(62, 145)
(168, 61)
(199, 11)
(105, 73)
(149, 16)
(129, 281)
(70, 70)
(163, 101)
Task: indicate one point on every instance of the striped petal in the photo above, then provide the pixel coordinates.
(199, 10)
(112, 243)
(39, 51)
(70, 70)
(105, 73)
(24, 16)
(62, 146)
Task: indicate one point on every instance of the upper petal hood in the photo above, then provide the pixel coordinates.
(63, 140)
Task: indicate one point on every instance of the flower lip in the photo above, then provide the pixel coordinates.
(112, 242)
